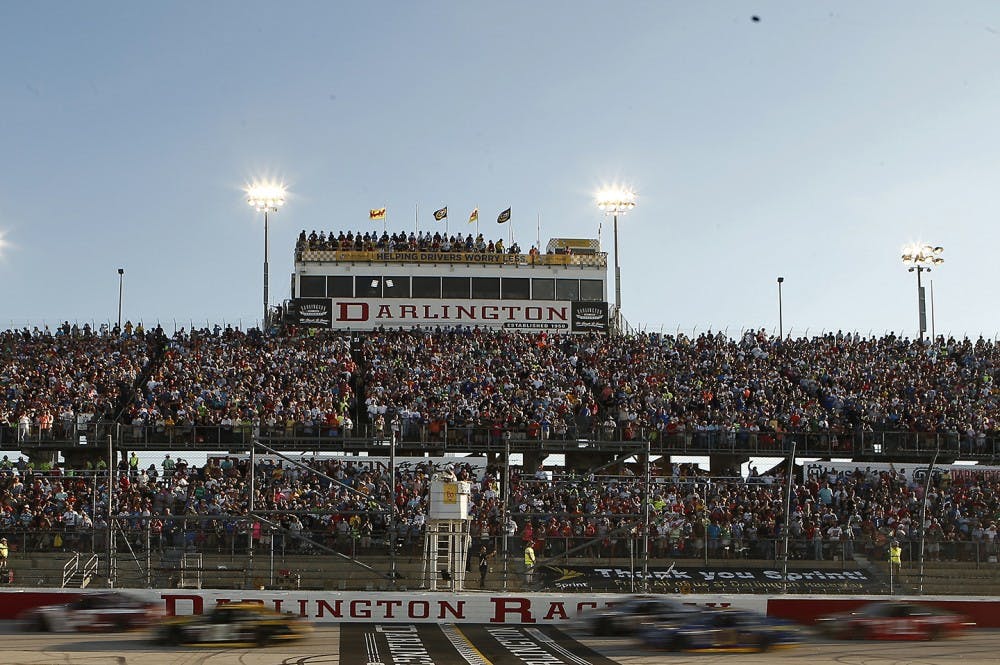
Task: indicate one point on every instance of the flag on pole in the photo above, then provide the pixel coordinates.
(376, 213)
(474, 217)
(504, 217)
(441, 214)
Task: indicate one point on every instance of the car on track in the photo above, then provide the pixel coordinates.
(893, 620)
(92, 612)
(721, 630)
(624, 617)
(233, 624)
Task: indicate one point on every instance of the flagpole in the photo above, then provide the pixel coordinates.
(477, 221)
(414, 217)
(538, 231)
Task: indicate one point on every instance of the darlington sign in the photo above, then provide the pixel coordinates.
(370, 313)
(382, 607)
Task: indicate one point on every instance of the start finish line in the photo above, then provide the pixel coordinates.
(475, 644)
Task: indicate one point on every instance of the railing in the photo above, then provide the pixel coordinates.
(69, 570)
(470, 438)
(90, 569)
(280, 563)
(598, 260)
(194, 536)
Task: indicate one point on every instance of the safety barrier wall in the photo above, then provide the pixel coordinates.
(389, 607)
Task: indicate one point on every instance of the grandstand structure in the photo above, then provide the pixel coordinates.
(323, 433)
(363, 282)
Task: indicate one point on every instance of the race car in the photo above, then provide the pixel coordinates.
(721, 631)
(893, 620)
(103, 611)
(232, 624)
(624, 618)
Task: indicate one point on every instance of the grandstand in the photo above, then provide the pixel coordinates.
(322, 440)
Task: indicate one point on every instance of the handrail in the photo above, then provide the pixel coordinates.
(69, 570)
(90, 569)
(599, 259)
(595, 436)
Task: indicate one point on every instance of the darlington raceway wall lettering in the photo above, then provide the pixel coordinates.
(388, 607)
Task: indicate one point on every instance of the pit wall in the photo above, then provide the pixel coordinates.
(487, 608)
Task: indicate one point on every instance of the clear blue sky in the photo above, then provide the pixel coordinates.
(812, 144)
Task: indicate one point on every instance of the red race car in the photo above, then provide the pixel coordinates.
(893, 620)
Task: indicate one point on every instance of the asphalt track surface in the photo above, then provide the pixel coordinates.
(463, 644)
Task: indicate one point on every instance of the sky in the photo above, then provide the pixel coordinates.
(812, 144)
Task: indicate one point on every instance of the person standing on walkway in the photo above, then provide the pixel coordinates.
(895, 556)
(484, 565)
(4, 551)
(529, 563)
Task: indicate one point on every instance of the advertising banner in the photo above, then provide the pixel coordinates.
(380, 464)
(590, 317)
(706, 579)
(310, 312)
(958, 473)
(526, 315)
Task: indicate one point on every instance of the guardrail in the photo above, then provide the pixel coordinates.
(441, 437)
(195, 537)
(599, 260)
(69, 570)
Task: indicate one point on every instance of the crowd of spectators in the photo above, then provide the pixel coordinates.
(464, 382)
(371, 241)
(235, 379)
(706, 388)
(53, 382)
(469, 382)
(353, 507)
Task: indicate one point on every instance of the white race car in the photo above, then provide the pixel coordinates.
(92, 612)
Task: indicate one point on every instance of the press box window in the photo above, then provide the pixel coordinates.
(426, 287)
(396, 287)
(543, 289)
(368, 287)
(486, 288)
(455, 287)
(340, 286)
(592, 290)
(567, 289)
(515, 288)
(312, 286)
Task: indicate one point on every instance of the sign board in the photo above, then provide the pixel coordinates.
(707, 579)
(310, 312)
(911, 472)
(513, 315)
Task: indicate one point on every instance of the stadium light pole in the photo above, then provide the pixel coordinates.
(616, 201)
(121, 285)
(265, 197)
(920, 258)
(781, 331)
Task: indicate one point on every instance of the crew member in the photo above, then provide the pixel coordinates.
(529, 562)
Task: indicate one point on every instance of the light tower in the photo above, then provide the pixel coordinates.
(265, 197)
(919, 258)
(616, 201)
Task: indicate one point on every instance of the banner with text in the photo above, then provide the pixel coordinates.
(705, 579)
(911, 472)
(524, 315)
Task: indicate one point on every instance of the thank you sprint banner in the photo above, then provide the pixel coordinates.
(705, 579)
